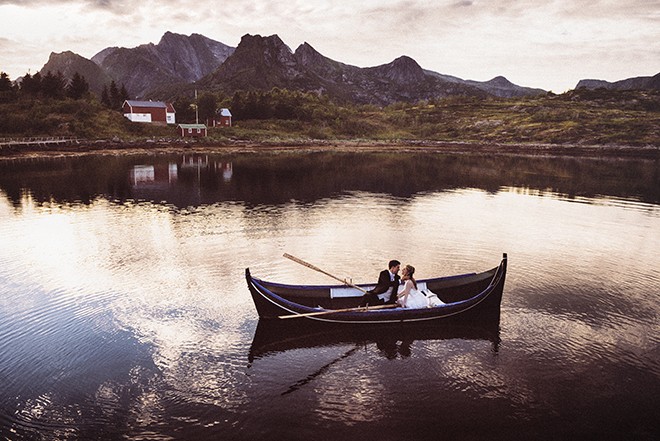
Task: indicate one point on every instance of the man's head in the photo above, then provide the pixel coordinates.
(394, 266)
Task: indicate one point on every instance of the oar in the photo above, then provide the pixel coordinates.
(315, 268)
(332, 311)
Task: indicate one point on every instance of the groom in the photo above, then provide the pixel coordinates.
(385, 291)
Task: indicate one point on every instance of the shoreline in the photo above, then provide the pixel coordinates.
(177, 146)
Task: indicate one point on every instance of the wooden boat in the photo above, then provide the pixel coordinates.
(464, 295)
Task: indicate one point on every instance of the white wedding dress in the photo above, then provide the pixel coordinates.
(409, 297)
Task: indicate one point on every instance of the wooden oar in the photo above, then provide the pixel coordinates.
(315, 268)
(332, 311)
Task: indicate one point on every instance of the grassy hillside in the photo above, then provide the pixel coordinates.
(577, 117)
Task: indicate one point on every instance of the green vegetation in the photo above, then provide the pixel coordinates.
(599, 117)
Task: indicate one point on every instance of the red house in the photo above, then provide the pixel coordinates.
(222, 119)
(149, 111)
(192, 130)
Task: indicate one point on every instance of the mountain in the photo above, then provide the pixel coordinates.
(101, 56)
(257, 63)
(261, 63)
(175, 59)
(500, 86)
(178, 64)
(69, 63)
(636, 83)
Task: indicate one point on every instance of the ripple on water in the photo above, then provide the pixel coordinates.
(143, 319)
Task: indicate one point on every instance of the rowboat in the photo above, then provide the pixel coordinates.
(463, 296)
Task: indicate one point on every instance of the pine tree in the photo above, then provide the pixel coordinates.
(115, 99)
(53, 85)
(78, 87)
(105, 97)
(5, 82)
(123, 95)
(7, 90)
(238, 105)
(31, 84)
(207, 106)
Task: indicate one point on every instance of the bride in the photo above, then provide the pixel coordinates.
(410, 296)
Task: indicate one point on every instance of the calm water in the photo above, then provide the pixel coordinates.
(124, 313)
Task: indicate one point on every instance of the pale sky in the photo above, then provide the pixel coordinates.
(549, 44)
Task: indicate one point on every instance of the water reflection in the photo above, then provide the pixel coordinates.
(191, 180)
(203, 162)
(153, 175)
(393, 341)
(124, 311)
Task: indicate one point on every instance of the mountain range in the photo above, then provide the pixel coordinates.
(630, 83)
(180, 63)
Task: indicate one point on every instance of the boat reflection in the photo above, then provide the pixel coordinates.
(393, 341)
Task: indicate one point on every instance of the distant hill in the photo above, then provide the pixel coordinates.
(69, 63)
(637, 83)
(500, 86)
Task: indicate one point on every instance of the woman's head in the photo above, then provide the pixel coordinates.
(408, 273)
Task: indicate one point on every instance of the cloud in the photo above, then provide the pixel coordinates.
(476, 39)
(95, 3)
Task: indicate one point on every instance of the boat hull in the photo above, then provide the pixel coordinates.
(465, 295)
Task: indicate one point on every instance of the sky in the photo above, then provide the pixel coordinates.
(548, 44)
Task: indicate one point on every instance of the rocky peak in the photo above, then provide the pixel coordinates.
(170, 38)
(101, 56)
(402, 70)
(175, 59)
(190, 58)
(257, 63)
(270, 50)
(68, 63)
(499, 81)
(308, 56)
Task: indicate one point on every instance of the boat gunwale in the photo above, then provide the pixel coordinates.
(364, 285)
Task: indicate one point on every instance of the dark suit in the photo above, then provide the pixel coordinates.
(384, 283)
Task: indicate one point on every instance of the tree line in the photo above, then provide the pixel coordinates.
(276, 103)
(56, 86)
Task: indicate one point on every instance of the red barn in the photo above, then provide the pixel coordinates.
(192, 130)
(222, 119)
(149, 111)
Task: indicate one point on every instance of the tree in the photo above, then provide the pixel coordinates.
(115, 97)
(5, 82)
(208, 106)
(184, 112)
(31, 84)
(105, 97)
(123, 95)
(237, 105)
(7, 90)
(53, 85)
(78, 87)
